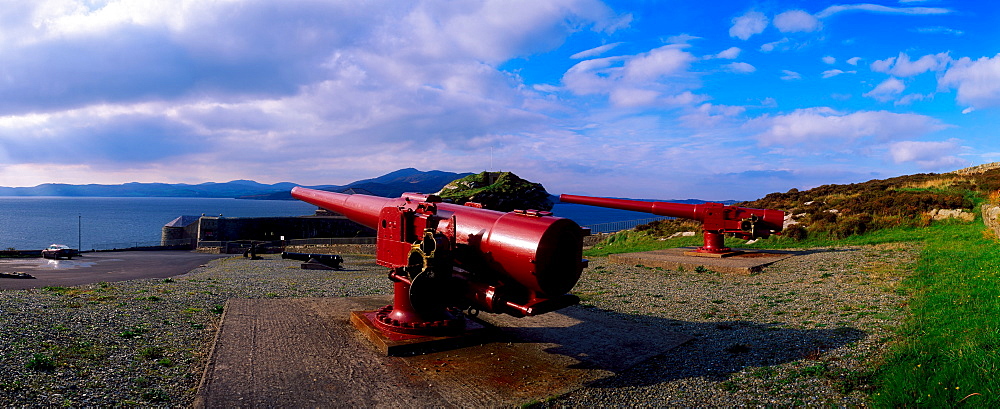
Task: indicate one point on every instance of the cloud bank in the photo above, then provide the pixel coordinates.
(575, 93)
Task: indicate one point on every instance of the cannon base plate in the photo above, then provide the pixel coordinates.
(398, 344)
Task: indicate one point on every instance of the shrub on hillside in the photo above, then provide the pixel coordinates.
(795, 232)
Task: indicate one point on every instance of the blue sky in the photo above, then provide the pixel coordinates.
(652, 99)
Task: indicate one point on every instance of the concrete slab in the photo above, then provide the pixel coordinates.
(305, 352)
(745, 262)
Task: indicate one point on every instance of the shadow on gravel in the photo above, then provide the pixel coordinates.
(717, 350)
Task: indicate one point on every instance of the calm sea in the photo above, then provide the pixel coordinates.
(31, 223)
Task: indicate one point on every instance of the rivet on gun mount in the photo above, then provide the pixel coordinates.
(444, 258)
(717, 219)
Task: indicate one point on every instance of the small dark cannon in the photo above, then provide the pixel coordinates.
(16, 274)
(333, 261)
(444, 258)
(717, 219)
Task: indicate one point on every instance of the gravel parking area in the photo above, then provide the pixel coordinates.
(807, 330)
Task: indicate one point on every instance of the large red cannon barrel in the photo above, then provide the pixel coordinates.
(520, 263)
(718, 219)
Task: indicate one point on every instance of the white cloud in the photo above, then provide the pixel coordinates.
(740, 68)
(708, 116)
(634, 80)
(940, 30)
(631, 97)
(854, 60)
(977, 81)
(927, 155)
(883, 65)
(886, 90)
(793, 21)
(593, 76)
(835, 72)
(493, 30)
(824, 127)
(768, 47)
(876, 8)
(753, 22)
(681, 39)
(593, 52)
(829, 60)
(790, 75)
(902, 66)
(910, 98)
(666, 60)
(684, 98)
(546, 88)
(728, 54)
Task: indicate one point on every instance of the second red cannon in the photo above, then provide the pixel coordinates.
(717, 219)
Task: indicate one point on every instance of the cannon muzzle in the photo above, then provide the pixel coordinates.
(717, 219)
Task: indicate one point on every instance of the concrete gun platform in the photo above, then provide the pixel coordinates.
(745, 262)
(304, 352)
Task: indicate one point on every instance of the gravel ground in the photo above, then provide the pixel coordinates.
(806, 331)
(144, 342)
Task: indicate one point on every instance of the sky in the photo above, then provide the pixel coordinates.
(647, 99)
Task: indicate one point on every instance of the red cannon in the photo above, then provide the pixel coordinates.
(717, 219)
(446, 257)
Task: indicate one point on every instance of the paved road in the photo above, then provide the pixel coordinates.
(101, 267)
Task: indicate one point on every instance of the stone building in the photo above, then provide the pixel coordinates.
(197, 230)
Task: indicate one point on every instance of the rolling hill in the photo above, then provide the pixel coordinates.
(390, 184)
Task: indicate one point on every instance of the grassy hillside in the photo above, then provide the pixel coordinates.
(839, 211)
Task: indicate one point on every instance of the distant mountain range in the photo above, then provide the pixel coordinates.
(389, 185)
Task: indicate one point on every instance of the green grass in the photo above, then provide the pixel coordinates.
(41, 362)
(949, 351)
(632, 241)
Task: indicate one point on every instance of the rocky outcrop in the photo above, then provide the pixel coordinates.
(986, 167)
(960, 214)
(502, 191)
(991, 217)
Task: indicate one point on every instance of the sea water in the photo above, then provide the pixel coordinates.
(32, 223)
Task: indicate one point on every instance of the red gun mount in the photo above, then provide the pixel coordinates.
(717, 219)
(445, 257)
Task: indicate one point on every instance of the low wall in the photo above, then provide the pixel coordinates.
(991, 217)
(333, 249)
(20, 253)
